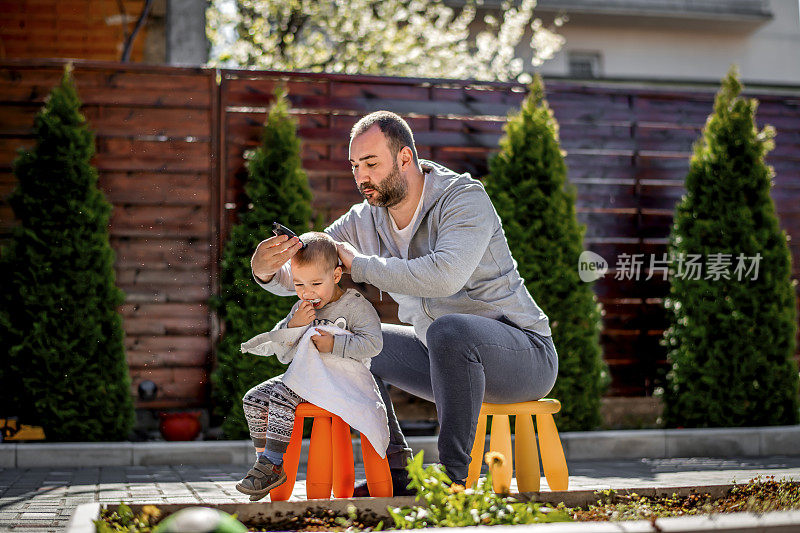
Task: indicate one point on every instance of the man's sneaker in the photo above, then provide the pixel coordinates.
(400, 483)
(262, 478)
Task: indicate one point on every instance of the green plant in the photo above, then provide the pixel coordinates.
(124, 520)
(276, 190)
(731, 341)
(446, 505)
(527, 182)
(62, 364)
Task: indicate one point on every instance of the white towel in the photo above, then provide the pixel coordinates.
(341, 385)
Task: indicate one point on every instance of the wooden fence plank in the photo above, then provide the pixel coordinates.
(143, 188)
(161, 253)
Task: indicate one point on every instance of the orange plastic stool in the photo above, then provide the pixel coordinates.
(526, 454)
(330, 459)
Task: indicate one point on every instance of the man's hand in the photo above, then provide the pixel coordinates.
(271, 255)
(323, 341)
(304, 315)
(346, 255)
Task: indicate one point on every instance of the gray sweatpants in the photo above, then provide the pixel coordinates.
(469, 360)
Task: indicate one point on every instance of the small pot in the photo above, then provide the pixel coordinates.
(180, 426)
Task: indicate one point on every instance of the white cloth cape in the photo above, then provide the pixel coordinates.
(341, 385)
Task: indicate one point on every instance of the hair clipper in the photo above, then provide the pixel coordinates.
(280, 229)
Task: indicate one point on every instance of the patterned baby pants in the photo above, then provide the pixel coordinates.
(269, 409)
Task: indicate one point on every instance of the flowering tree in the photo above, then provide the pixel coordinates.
(388, 37)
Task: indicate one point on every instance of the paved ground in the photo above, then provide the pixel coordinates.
(42, 500)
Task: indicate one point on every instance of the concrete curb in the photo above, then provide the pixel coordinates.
(589, 445)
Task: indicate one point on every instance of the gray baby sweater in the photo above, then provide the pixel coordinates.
(354, 313)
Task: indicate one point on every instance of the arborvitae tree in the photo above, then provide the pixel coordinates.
(528, 184)
(277, 190)
(63, 356)
(731, 341)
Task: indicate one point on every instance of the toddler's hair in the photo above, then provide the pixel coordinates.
(320, 249)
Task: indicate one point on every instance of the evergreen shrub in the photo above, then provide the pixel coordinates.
(276, 190)
(62, 363)
(731, 341)
(527, 182)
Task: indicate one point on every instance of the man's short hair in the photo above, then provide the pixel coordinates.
(392, 125)
(320, 249)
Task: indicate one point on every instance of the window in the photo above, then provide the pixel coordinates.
(584, 65)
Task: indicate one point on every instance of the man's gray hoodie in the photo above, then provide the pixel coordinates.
(458, 257)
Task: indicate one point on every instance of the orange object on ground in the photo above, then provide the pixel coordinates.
(330, 459)
(526, 454)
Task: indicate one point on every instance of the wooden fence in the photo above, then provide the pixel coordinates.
(171, 143)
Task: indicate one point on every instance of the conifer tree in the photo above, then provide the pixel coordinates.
(276, 190)
(62, 357)
(731, 337)
(528, 185)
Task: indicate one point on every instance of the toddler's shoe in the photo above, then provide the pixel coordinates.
(262, 478)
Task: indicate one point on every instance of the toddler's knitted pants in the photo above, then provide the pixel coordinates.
(269, 409)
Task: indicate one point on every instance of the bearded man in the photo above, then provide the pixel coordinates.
(431, 239)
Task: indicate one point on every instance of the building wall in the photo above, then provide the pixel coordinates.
(80, 29)
(685, 48)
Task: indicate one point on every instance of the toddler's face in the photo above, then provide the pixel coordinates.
(315, 283)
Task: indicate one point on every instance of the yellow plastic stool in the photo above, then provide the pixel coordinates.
(527, 455)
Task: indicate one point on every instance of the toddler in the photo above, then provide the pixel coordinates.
(270, 407)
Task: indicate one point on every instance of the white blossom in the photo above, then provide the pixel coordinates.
(387, 37)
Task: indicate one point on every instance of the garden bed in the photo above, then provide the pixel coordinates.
(760, 498)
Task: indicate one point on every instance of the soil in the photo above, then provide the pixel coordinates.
(326, 520)
(758, 496)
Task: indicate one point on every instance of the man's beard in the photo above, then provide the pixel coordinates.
(390, 192)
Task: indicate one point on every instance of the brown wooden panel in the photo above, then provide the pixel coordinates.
(154, 156)
(160, 221)
(361, 90)
(593, 196)
(197, 310)
(608, 224)
(155, 189)
(167, 326)
(182, 88)
(666, 137)
(662, 165)
(154, 292)
(161, 277)
(467, 125)
(147, 97)
(138, 359)
(585, 166)
(675, 109)
(167, 343)
(130, 121)
(610, 287)
(251, 95)
(161, 254)
(17, 120)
